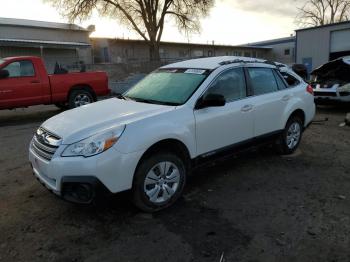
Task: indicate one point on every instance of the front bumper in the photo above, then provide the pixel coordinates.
(111, 170)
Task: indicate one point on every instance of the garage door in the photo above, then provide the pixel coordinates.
(340, 41)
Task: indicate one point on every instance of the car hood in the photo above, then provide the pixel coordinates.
(80, 123)
(336, 70)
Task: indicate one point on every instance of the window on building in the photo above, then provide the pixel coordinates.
(262, 80)
(286, 51)
(246, 53)
(210, 53)
(254, 54)
(182, 53)
(198, 53)
(20, 68)
(163, 53)
(230, 84)
(106, 54)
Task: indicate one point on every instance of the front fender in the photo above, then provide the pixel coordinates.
(176, 124)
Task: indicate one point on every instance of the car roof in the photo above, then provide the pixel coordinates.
(215, 62)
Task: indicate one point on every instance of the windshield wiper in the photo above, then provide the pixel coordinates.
(120, 96)
(150, 101)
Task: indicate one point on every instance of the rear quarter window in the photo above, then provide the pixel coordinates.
(290, 80)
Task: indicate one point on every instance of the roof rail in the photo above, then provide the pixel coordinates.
(278, 65)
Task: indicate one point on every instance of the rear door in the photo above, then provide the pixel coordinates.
(220, 127)
(23, 87)
(270, 96)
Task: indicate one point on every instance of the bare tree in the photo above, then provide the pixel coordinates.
(322, 12)
(146, 17)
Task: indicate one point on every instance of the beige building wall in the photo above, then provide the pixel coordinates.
(128, 51)
(313, 44)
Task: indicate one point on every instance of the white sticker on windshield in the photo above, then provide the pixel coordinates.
(195, 71)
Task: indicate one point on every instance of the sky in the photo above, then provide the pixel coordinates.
(229, 22)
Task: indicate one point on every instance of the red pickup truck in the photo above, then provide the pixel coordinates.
(24, 82)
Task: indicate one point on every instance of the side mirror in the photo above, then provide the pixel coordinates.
(4, 73)
(211, 100)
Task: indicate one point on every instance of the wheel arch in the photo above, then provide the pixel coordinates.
(299, 113)
(85, 87)
(169, 145)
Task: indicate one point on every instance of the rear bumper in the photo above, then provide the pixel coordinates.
(103, 92)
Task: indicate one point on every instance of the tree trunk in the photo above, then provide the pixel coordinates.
(154, 51)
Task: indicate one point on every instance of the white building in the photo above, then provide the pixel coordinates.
(65, 43)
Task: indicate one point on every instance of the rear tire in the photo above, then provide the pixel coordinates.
(159, 181)
(291, 136)
(79, 97)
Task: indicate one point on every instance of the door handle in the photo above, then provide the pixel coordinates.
(286, 97)
(35, 82)
(247, 108)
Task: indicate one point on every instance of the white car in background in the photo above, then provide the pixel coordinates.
(331, 81)
(177, 118)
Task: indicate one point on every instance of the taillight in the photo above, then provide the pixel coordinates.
(310, 90)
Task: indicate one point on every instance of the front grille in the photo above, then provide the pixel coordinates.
(325, 93)
(45, 143)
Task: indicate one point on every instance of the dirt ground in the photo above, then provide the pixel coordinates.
(255, 207)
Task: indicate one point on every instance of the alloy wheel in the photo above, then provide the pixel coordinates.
(162, 182)
(293, 135)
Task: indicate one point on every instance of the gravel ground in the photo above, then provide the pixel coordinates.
(256, 207)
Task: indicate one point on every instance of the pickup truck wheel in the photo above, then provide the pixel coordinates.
(291, 136)
(159, 181)
(79, 98)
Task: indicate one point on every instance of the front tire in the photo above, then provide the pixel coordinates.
(159, 181)
(291, 136)
(79, 98)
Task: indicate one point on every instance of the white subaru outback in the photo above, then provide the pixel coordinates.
(178, 117)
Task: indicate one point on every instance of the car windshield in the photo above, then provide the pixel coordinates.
(168, 87)
(1, 61)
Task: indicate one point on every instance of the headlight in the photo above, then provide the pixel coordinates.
(95, 144)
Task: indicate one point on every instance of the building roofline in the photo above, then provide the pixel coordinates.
(273, 41)
(180, 43)
(44, 42)
(40, 24)
(321, 26)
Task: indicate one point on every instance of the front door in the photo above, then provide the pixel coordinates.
(22, 87)
(219, 127)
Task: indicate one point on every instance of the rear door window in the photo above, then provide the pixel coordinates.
(262, 80)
